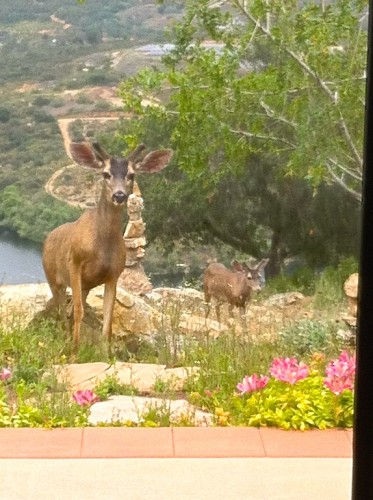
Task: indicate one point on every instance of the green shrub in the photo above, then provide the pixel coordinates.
(307, 336)
(304, 405)
(111, 386)
(329, 286)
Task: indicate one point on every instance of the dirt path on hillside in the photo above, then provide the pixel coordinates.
(64, 24)
(64, 124)
(107, 94)
(50, 185)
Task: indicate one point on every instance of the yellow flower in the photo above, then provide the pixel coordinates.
(223, 420)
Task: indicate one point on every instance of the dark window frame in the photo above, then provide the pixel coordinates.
(362, 483)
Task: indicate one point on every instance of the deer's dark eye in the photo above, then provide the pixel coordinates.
(131, 177)
(106, 175)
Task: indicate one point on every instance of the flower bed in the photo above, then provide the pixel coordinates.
(296, 396)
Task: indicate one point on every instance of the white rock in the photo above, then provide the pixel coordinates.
(135, 408)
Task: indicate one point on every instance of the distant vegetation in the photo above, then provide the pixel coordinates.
(40, 58)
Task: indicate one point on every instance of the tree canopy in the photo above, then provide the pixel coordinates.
(269, 94)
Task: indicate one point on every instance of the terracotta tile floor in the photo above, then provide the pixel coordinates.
(178, 442)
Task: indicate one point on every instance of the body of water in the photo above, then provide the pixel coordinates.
(20, 260)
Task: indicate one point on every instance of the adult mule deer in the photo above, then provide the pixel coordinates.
(232, 287)
(90, 251)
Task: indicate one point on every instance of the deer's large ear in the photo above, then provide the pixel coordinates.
(154, 161)
(100, 152)
(262, 264)
(84, 156)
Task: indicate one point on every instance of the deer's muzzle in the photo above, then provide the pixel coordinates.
(119, 197)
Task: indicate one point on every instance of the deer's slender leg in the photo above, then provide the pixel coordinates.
(109, 300)
(243, 315)
(217, 309)
(76, 289)
(207, 304)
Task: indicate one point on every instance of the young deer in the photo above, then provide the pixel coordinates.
(90, 251)
(233, 287)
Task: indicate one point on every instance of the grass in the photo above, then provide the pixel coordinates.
(33, 397)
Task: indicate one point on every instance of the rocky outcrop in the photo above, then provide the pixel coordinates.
(132, 315)
(351, 287)
(166, 311)
(22, 302)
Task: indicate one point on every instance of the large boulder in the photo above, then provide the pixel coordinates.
(132, 315)
(351, 287)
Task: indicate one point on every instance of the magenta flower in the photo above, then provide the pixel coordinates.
(252, 383)
(5, 374)
(288, 370)
(85, 397)
(340, 373)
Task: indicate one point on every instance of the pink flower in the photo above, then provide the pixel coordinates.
(288, 370)
(340, 373)
(5, 374)
(85, 397)
(252, 383)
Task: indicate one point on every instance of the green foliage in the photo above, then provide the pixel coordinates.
(156, 416)
(251, 118)
(221, 360)
(306, 336)
(302, 280)
(4, 115)
(20, 213)
(30, 351)
(41, 101)
(329, 287)
(36, 406)
(32, 397)
(308, 404)
(273, 108)
(110, 385)
(304, 405)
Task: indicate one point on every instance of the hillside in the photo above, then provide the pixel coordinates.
(58, 61)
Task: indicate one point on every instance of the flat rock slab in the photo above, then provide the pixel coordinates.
(141, 376)
(134, 409)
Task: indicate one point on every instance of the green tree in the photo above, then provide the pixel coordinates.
(281, 78)
(275, 101)
(4, 115)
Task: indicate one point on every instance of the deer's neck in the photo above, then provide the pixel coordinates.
(109, 216)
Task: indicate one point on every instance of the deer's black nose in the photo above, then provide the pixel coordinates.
(119, 197)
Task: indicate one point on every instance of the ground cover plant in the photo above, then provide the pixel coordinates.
(300, 377)
(297, 396)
